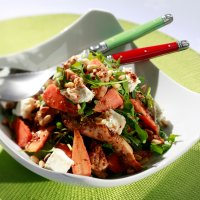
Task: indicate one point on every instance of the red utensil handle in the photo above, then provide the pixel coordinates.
(146, 53)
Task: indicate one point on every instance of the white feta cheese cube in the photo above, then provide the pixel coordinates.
(78, 94)
(114, 121)
(25, 107)
(133, 80)
(58, 161)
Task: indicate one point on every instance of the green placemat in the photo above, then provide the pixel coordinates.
(180, 180)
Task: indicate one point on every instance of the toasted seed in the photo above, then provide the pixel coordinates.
(91, 67)
(41, 163)
(35, 159)
(78, 106)
(46, 119)
(116, 86)
(110, 72)
(85, 61)
(69, 85)
(122, 77)
(155, 141)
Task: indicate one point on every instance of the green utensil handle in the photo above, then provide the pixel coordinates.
(135, 33)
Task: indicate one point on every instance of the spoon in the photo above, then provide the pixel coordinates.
(22, 85)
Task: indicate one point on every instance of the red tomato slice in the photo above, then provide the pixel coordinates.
(111, 100)
(114, 163)
(65, 148)
(22, 131)
(144, 116)
(80, 156)
(96, 62)
(38, 141)
(54, 99)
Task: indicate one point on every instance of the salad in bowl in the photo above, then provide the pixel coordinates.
(92, 118)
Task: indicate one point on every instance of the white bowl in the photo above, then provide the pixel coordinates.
(173, 99)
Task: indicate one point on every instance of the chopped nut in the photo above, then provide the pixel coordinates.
(122, 77)
(78, 82)
(155, 141)
(46, 120)
(78, 106)
(116, 86)
(41, 163)
(91, 67)
(35, 159)
(98, 120)
(69, 85)
(85, 61)
(110, 72)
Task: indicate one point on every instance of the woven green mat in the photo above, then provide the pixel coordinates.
(180, 180)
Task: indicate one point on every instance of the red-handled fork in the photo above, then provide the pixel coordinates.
(146, 53)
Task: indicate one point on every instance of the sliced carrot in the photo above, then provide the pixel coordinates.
(144, 116)
(22, 131)
(54, 99)
(65, 148)
(38, 141)
(111, 100)
(80, 156)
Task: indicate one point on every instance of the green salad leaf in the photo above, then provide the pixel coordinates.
(97, 83)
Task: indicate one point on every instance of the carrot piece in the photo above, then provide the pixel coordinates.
(80, 156)
(54, 99)
(22, 131)
(144, 116)
(111, 100)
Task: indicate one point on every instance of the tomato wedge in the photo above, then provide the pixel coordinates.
(80, 156)
(111, 100)
(144, 116)
(96, 62)
(65, 148)
(54, 99)
(22, 131)
(115, 164)
(38, 141)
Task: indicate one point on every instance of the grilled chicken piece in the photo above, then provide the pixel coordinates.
(121, 147)
(101, 133)
(98, 160)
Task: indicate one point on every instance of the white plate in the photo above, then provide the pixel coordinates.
(179, 105)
